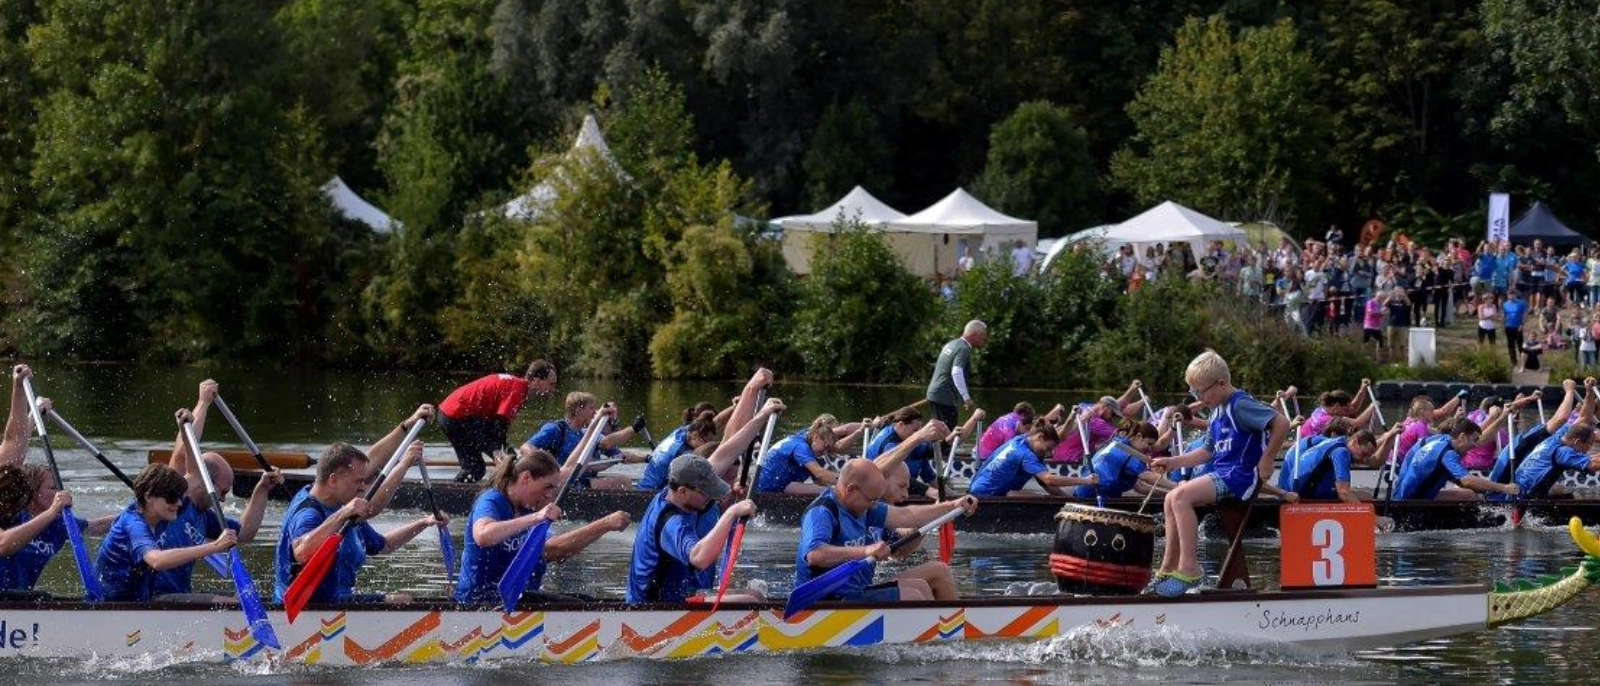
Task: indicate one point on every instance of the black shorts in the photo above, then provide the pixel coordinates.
(1372, 336)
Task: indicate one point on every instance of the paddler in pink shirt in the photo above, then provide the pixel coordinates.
(1421, 418)
(1337, 403)
(1099, 424)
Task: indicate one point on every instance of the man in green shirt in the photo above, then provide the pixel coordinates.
(948, 388)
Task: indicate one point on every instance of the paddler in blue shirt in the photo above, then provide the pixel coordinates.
(682, 533)
(1528, 440)
(1019, 459)
(561, 437)
(901, 424)
(1323, 472)
(195, 523)
(31, 507)
(1567, 450)
(850, 522)
(131, 554)
(1123, 464)
(1436, 460)
(318, 511)
(1244, 435)
(519, 497)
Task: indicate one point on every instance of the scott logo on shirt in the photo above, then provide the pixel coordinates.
(43, 548)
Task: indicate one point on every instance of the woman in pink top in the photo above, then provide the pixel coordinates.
(1421, 418)
(1098, 422)
(1372, 322)
(1338, 403)
(1020, 421)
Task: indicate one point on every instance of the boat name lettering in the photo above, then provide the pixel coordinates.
(1307, 622)
(16, 637)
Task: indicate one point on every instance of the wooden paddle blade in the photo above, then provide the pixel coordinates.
(728, 564)
(809, 593)
(304, 585)
(92, 590)
(947, 542)
(515, 580)
(448, 548)
(250, 601)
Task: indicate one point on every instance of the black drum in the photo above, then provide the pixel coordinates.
(1099, 550)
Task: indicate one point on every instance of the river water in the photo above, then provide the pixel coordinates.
(127, 411)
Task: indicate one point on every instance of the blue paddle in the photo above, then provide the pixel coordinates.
(217, 562)
(809, 593)
(80, 553)
(447, 548)
(255, 615)
(515, 580)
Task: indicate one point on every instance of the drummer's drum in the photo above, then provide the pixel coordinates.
(1099, 550)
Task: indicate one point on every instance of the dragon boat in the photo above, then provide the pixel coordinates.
(1327, 621)
(1030, 514)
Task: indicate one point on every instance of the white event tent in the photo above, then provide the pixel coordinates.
(353, 207)
(529, 206)
(923, 239)
(802, 231)
(1166, 223)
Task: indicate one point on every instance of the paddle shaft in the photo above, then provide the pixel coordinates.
(80, 552)
(205, 474)
(1376, 409)
(730, 556)
(926, 529)
(73, 432)
(1149, 412)
(238, 429)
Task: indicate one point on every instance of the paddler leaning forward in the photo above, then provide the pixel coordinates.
(319, 510)
(850, 522)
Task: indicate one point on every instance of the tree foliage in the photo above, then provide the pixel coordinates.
(1229, 125)
(1039, 167)
(861, 314)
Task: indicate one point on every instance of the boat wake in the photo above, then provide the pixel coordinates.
(1125, 647)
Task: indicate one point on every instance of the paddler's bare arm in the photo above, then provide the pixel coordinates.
(709, 549)
(573, 542)
(915, 516)
(380, 500)
(727, 453)
(14, 446)
(306, 545)
(488, 533)
(746, 408)
(181, 461)
(930, 432)
(378, 455)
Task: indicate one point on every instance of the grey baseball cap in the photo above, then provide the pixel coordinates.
(695, 472)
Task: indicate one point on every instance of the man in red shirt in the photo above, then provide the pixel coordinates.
(477, 416)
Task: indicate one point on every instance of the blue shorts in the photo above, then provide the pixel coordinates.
(1225, 493)
(882, 593)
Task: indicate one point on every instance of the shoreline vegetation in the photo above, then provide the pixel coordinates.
(161, 203)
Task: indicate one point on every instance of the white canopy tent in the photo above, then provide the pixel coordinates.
(529, 206)
(923, 239)
(353, 207)
(1166, 223)
(802, 231)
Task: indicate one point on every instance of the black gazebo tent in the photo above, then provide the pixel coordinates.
(1540, 223)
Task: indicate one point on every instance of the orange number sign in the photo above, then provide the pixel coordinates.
(1328, 545)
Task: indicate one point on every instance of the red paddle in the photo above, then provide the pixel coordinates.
(305, 584)
(738, 528)
(947, 533)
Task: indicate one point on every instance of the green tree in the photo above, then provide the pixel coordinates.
(1039, 167)
(862, 316)
(1230, 126)
(847, 150)
(1553, 47)
(171, 212)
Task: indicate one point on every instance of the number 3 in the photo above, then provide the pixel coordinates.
(1328, 535)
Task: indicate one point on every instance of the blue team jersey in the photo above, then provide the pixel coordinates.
(1117, 468)
(1237, 439)
(1319, 470)
(661, 571)
(120, 563)
(1430, 464)
(21, 571)
(481, 568)
(785, 463)
(560, 438)
(1544, 465)
(193, 527)
(660, 464)
(360, 541)
(1286, 473)
(1525, 443)
(827, 522)
(920, 462)
(1007, 470)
